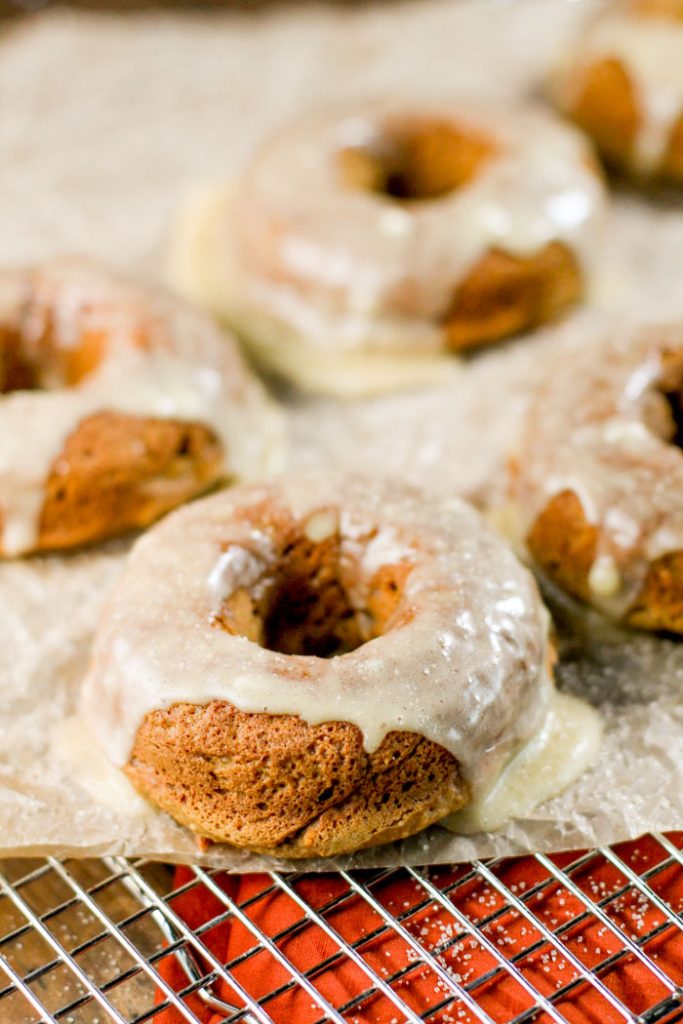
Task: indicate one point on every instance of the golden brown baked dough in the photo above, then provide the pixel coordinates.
(609, 88)
(604, 105)
(102, 489)
(671, 9)
(505, 294)
(116, 404)
(276, 785)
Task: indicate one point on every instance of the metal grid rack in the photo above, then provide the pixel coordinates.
(84, 942)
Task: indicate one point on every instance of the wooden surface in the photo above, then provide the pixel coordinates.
(79, 932)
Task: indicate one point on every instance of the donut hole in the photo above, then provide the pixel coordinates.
(662, 407)
(420, 159)
(309, 611)
(317, 601)
(36, 361)
(667, 422)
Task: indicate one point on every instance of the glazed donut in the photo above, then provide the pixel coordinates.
(314, 666)
(598, 480)
(117, 403)
(623, 85)
(361, 248)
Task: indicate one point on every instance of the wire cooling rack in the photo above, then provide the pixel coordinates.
(597, 934)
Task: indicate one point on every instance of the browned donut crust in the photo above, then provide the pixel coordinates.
(604, 105)
(118, 473)
(504, 295)
(279, 786)
(672, 9)
(564, 544)
(601, 98)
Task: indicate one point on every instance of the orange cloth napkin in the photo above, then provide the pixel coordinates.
(465, 959)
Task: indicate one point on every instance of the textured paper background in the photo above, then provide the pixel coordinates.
(104, 125)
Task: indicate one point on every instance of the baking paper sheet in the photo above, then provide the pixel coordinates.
(106, 124)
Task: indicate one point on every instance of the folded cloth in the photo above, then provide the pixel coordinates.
(500, 934)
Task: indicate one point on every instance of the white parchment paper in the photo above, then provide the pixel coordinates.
(105, 124)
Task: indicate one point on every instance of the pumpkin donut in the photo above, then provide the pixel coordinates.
(598, 479)
(314, 666)
(361, 248)
(117, 403)
(623, 85)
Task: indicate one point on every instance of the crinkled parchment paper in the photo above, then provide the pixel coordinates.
(104, 125)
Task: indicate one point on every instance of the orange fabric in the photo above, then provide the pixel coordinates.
(465, 960)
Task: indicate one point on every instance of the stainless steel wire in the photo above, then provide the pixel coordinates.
(85, 941)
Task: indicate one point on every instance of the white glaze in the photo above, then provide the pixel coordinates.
(291, 254)
(566, 745)
(468, 671)
(72, 746)
(188, 369)
(651, 51)
(603, 579)
(587, 432)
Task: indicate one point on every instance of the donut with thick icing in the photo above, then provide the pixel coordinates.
(598, 479)
(362, 248)
(623, 84)
(314, 666)
(117, 403)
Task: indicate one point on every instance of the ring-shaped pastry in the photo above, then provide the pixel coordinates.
(362, 248)
(117, 403)
(598, 477)
(314, 666)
